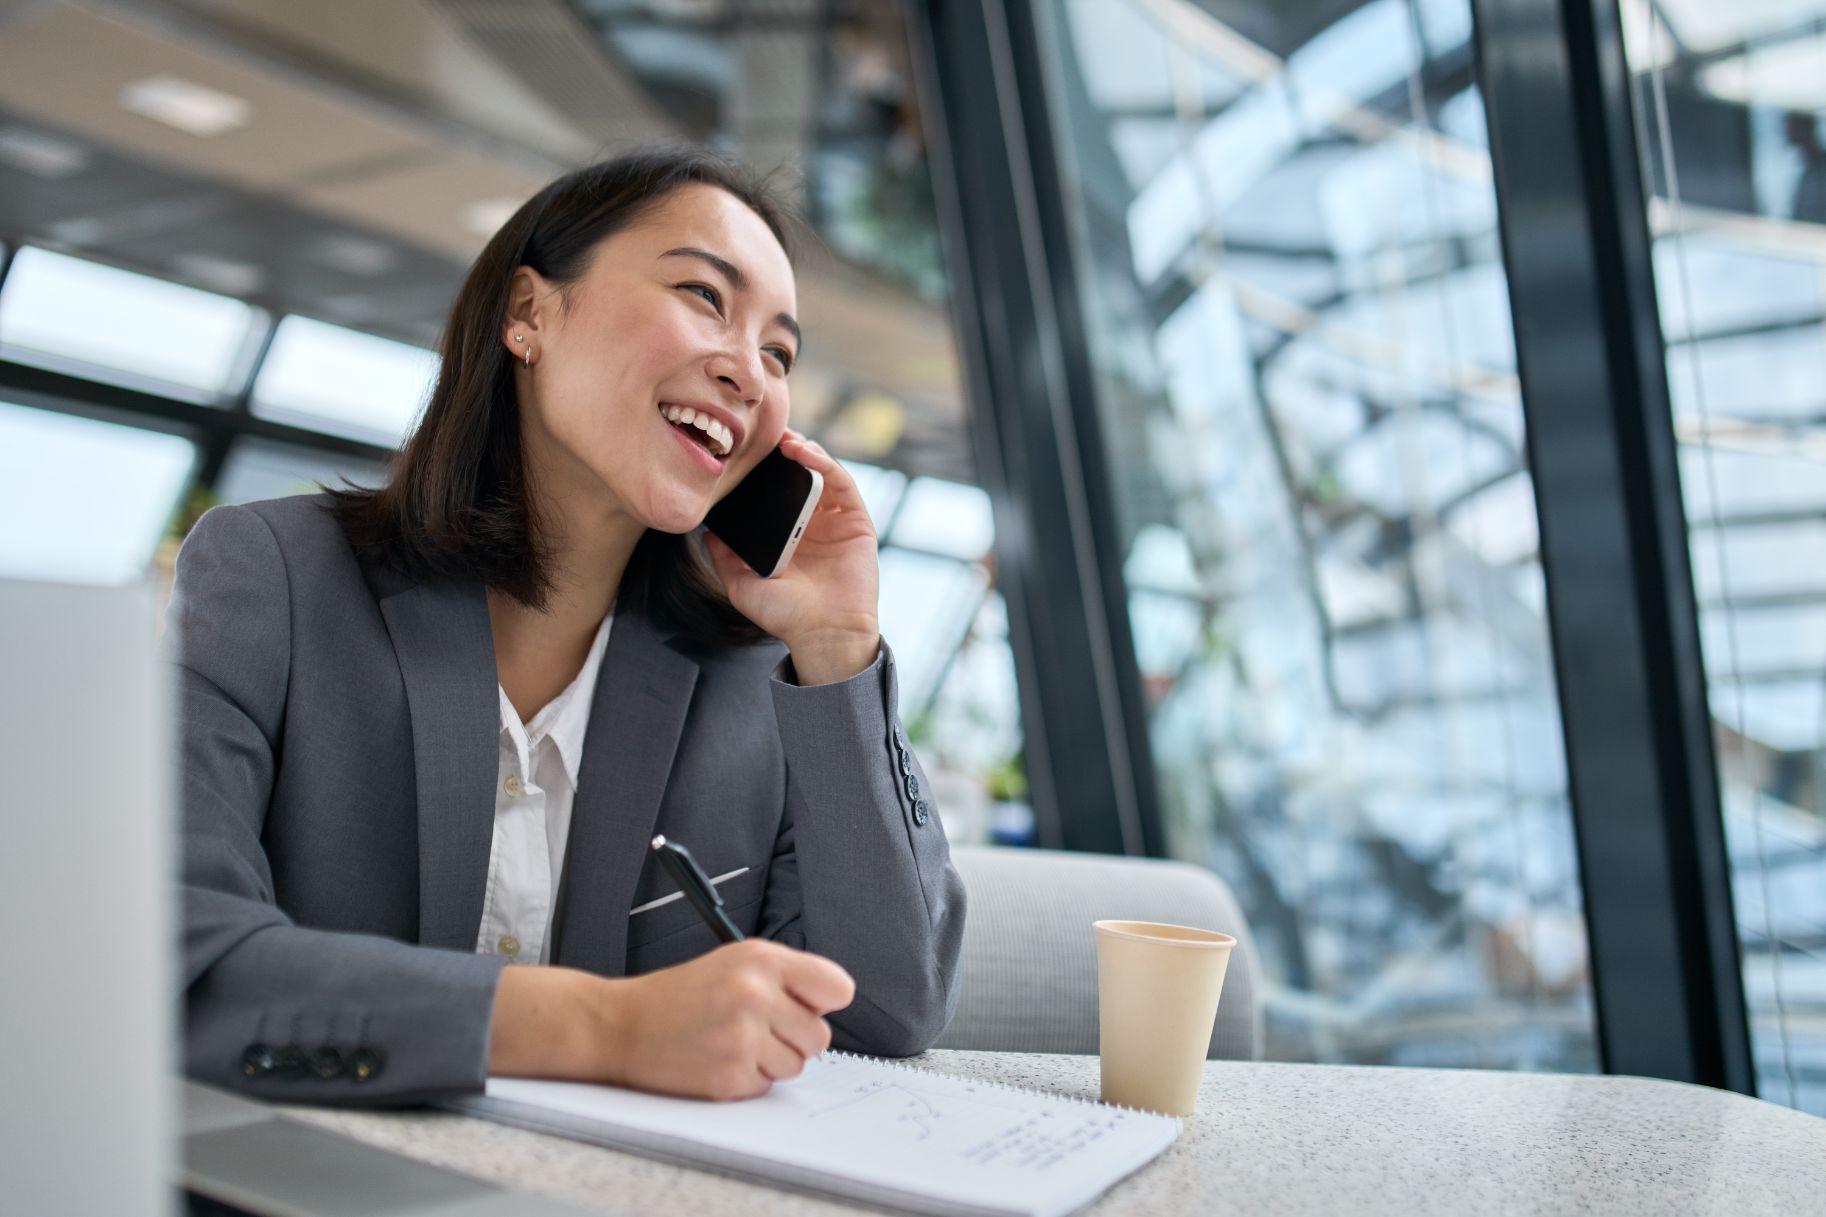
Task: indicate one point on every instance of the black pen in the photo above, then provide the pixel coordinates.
(697, 887)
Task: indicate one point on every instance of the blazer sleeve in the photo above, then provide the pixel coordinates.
(273, 1009)
(862, 874)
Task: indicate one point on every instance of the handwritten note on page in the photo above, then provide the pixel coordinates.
(866, 1130)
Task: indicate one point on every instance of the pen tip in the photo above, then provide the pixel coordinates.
(658, 842)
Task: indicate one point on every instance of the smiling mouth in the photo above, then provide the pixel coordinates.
(712, 435)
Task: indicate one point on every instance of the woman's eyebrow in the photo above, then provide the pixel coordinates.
(724, 267)
(737, 279)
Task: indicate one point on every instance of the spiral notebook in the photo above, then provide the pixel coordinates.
(869, 1131)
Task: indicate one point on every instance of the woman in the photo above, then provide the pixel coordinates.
(429, 730)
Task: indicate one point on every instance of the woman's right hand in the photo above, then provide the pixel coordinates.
(726, 1025)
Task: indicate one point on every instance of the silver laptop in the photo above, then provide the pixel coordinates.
(86, 1113)
(244, 1156)
(91, 1120)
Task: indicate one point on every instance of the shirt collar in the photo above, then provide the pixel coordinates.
(566, 718)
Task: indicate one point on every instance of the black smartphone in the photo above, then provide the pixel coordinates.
(763, 518)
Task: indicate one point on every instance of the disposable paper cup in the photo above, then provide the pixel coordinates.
(1157, 991)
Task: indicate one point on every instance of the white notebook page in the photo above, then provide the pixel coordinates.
(869, 1130)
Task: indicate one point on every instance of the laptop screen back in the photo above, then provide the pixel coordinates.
(86, 902)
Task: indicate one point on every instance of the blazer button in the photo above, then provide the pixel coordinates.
(912, 787)
(257, 1060)
(366, 1064)
(906, 763)
(292, 1062)
(326, 1063)
(921, 812)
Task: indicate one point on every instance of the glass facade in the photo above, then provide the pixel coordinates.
(85, 501)
(73, 314)
(1728, 103)
(258, 469)
(1284, 230)
(1299, 325)
(821, 87)
(346, 383)
(821, 95)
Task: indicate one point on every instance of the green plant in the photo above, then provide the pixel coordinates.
(1007, 779)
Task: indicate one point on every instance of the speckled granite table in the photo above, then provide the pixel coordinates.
(1279, 1139)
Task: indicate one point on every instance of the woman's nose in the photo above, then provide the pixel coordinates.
(743, 375)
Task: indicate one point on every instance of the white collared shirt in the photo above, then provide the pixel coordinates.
(534, 790)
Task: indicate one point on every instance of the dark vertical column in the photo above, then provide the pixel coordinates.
(213, 451)
(1038, 440)
(1644, 791)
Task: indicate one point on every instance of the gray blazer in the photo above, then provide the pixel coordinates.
(339, 735)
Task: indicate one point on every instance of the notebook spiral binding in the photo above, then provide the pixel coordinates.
(1008, 1087)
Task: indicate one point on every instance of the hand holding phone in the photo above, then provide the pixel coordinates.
(823, 602)
(764, 517)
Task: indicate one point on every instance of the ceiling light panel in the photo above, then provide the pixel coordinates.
(78, 69)
(430, 201)
(186, 105)
(486, 217)
(40, 154)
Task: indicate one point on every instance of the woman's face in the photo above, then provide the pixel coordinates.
(691, 309)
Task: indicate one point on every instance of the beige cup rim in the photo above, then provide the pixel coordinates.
(1165, 934)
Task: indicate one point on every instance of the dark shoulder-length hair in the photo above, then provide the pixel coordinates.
(458, 503)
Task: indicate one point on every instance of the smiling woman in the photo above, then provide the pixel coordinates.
(420, 767)
(590, 259)
(650, 326)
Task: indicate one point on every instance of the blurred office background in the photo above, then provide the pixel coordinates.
(1209, 466)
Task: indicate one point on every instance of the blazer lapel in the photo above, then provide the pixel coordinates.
(447, 656)
(642, 694)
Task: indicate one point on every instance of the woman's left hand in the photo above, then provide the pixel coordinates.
(823, 606)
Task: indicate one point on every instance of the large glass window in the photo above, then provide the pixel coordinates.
(1728, 103)
(820, 97)
(826, 94)
(1299, 323)
(344, 382)
(100, 321)
(259, 470)
(84, 501)
(949, 631)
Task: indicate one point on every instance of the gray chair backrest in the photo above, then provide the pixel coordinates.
(1030, 957)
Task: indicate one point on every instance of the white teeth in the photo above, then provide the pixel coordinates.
(720, 437)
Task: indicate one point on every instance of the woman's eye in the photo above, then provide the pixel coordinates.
(784, 356)
(709, 293)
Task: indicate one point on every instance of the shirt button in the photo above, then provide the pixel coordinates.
(513, 786)
(508, 944)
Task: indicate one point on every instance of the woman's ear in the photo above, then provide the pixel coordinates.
(520, 332)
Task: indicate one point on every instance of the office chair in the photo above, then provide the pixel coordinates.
(1030, 957)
